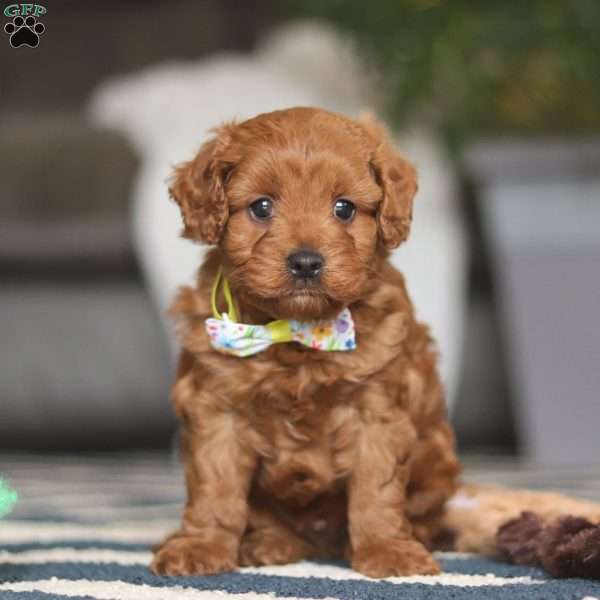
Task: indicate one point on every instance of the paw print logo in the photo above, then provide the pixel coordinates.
(24, 31)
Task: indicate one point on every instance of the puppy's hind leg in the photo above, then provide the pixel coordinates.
(268, 541)
(433, 480)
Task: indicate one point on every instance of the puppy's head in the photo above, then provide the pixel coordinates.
(303, 204)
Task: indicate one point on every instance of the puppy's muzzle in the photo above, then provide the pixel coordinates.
(305, 264)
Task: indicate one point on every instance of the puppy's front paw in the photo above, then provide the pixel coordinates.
(394, 558)
(193, 556)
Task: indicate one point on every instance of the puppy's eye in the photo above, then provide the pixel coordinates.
(262, 209)
(344, 210)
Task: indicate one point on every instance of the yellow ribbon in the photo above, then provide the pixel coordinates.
(231, 312)
(280, 330)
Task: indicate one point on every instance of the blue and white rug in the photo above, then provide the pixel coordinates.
(84, 528)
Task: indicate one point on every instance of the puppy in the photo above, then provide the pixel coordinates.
(296, 452)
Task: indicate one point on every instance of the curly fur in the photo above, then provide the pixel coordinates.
(295, 453)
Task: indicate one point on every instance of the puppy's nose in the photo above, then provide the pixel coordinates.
(305, 264)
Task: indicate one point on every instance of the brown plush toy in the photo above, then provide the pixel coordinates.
(566, 547)
(559, 533)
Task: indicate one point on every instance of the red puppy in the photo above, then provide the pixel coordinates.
(296, 452)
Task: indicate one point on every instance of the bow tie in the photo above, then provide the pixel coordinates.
(228, 336)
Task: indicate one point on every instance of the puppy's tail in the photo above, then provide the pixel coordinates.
(553, 531)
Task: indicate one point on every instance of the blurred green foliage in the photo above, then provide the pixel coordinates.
(479, 67)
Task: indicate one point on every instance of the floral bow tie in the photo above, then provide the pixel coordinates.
(229, 336)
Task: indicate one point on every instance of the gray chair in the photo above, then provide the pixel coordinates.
(82, 359)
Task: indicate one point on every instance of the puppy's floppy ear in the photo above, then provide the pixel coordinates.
(398, 181)
(198, 186)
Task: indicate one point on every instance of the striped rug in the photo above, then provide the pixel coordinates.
(84, 528)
